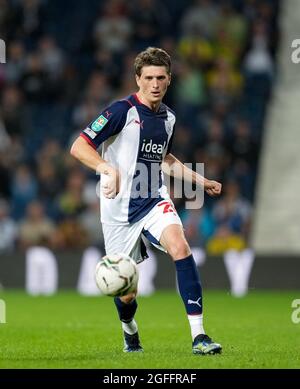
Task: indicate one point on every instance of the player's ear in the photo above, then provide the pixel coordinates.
(169, 82)
(137, 79)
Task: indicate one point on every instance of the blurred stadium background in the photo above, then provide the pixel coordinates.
(231, 82)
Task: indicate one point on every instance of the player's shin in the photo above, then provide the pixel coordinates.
(126, 313)
(191, 293)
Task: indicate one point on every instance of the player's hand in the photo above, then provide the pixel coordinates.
(212, 188)
(110, 182)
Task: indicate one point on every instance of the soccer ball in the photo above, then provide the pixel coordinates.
(116, 275)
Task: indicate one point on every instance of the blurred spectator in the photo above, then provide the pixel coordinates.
(232, 33)
(6, 19)
(34, 80)
(182, 141)
(213, 164)
(70, 203)
(84, 113)
(36, 229)
(196, 50)
(24, 190)
(113, 27)
(232, 217)
(51, 153)
(128, 84)
(242, 146)
(106, 64)
(151, 21)
(224, 240)
(190, 93)
(28, 19)
(233, 211)
(98, 90)
(199, 226)
(214, 145)
(90, 217)
(90, 220)
(52, 58)
(13, 112)
(250, 9)
(70, 234)
(224, 83)
(202, 16)
(244, 174)
(258, 60)
(49, 185)
(15, 67)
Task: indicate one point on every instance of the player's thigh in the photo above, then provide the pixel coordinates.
(122, 239)
(163, 228)
(174, 241)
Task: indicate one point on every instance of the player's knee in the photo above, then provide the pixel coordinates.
(128, 298)
(179, 250)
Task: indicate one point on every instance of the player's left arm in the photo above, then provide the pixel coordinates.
(173, 167)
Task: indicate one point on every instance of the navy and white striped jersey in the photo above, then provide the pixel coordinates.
(134, 140)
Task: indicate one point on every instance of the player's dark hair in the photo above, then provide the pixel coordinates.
(152, 56)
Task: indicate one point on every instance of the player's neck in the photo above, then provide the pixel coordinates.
(153, 106)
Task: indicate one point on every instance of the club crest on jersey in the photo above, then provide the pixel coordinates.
(99, 123)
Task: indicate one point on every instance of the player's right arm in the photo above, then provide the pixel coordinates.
(87, 155)
(110, 122)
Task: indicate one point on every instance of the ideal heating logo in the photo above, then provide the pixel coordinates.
(155, 148)
(2, 312)
(151, 150)
(2, 51)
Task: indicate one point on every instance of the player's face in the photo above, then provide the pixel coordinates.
(153, 84)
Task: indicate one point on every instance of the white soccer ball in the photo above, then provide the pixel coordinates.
(116, 275)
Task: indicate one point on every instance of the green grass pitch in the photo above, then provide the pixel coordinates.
(72, 331)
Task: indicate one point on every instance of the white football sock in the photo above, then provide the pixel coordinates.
(196, 323)
(130, 328)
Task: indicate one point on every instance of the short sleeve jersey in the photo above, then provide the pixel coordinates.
(134, 140)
